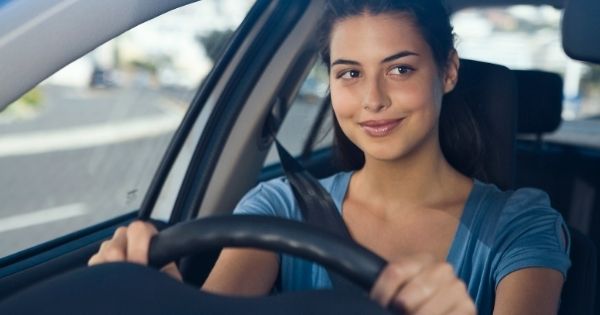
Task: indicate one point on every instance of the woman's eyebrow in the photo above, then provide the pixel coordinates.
(345, 62)
(399, 55)
(393, 57)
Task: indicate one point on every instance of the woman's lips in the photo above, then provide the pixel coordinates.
(380, 128)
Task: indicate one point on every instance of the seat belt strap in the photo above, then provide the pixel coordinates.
(317, 207)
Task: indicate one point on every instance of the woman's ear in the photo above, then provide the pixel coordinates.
(451, 75)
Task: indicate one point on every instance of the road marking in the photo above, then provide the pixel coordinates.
(87, 136)
(42, 216)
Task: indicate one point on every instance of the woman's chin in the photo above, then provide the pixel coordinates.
(385, 154)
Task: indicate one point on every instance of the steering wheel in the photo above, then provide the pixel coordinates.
(347, 258)
(125, 288)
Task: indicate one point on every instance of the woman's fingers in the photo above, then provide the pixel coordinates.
(127, 244)
(112, 250)
(94, 260)
(447, 300)
(131, 244)
(422, 287)
(464, 309)
(396, 275)
(115, 251)
(172, 270)
(419, 285)
(138, 240)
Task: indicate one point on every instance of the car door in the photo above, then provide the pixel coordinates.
(210, 148)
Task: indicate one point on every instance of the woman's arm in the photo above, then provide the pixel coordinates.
(529, 291)
(246, 272)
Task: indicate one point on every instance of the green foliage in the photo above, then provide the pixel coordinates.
(26, 106)
(144, 65)
(32, 98)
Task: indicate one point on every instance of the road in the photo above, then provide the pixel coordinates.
(84, 157)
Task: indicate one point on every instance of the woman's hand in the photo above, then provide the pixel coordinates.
(419, 285)
(131, 244)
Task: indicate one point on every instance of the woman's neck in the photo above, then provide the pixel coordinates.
(421, 179)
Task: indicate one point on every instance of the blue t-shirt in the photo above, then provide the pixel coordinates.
(495, 237)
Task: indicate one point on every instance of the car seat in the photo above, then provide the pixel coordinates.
(580, 30)
(489, 91)
(540, 165)
(579, 291)
(540, 108)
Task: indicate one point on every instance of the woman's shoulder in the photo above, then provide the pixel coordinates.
(525, 231)
(275, 196)
(527, 208)
(514, 204)
(500, 216)
(280, 186)
(529, 199)
(524, 214)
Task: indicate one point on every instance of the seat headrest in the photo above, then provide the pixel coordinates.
(489, 91)
(580, 30)
(540, 101)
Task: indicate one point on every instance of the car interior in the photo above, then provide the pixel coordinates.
(218, 151)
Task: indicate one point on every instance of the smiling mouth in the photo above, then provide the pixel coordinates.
(380, 128)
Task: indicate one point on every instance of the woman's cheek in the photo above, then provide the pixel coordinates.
(409, 96)
(343, 104)
(345, 108)
(413, 99)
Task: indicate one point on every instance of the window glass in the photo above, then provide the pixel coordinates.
(528, 37)
(303, 113)
(83, 146)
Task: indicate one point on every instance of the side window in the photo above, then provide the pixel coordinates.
(83, 146)
(304, 118)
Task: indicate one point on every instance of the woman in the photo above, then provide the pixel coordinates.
(455, 246)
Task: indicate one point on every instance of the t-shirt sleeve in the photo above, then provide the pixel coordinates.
(530, 234)
(271, 198)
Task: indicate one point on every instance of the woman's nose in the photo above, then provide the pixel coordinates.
(375, 98)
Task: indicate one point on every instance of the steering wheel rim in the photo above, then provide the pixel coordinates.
(349, 259)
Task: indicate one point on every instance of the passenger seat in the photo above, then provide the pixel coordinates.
(541, 166)
(539, 112)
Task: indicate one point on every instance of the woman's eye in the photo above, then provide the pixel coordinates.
(401, 70)
(350, 74)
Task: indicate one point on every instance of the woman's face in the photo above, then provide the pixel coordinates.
(386, 89)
